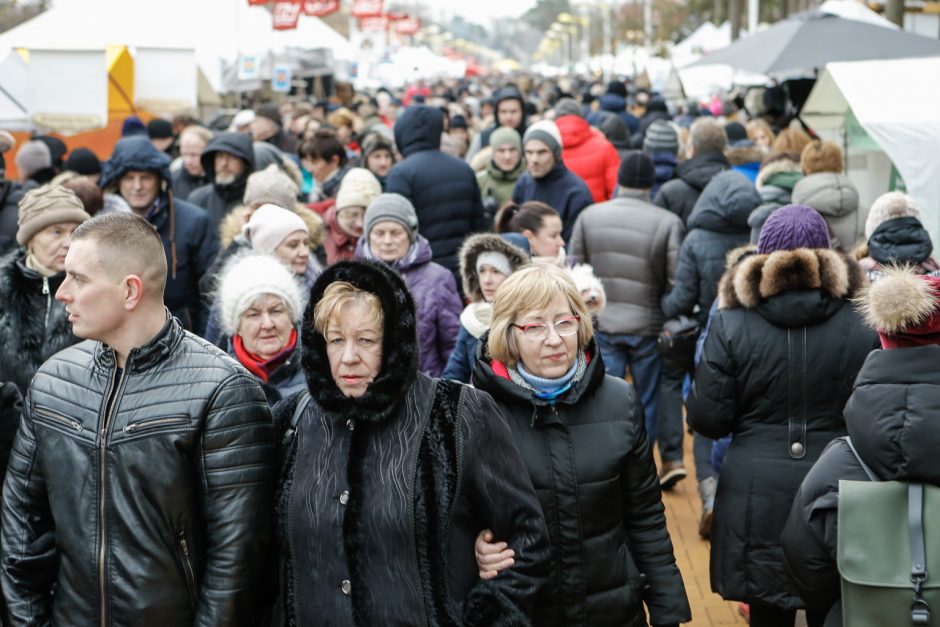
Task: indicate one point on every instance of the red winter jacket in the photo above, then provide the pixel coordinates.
(587, 153)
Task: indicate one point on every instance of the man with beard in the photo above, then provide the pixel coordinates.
(227, 160)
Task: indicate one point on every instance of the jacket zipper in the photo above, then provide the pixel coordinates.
(156, 422)
(48, 294)
(295, 592)
(188, 567)
(102, 490)
(47, 413)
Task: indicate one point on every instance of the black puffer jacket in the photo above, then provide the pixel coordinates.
(718, 224)
(893, 418)
(777, 367)
(185, 183)
(381, 497)
(218, 199)
(11, 193)
(442, 188)
(679, 195)
(33, 324)
(158, 512)
(590, 461)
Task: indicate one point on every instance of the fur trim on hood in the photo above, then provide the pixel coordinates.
(897, 301)
(471, 249)
(759, 277)
(733, 256)
(231, 225)
(781, 164)
(744, 154)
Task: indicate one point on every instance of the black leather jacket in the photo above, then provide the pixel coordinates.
(157, 512)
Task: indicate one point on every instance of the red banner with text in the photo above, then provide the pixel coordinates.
(320, 8)
(366, 8)
(286, 13)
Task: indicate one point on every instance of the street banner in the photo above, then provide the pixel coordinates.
(280, 78)
(366, 8)
(286, 13)
(320, 8)
(407, 26)
(378, 24)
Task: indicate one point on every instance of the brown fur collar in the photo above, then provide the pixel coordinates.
(231, 225)
(759, 277)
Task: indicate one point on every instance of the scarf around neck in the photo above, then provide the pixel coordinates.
(549, 389)
(263, 368)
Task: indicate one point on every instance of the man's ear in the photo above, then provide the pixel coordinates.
(133, 291)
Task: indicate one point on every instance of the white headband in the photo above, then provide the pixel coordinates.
(496, 259)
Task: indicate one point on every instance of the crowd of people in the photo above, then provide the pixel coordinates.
(405, 360)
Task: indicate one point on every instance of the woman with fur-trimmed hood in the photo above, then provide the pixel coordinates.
(485, 261)
(388, 475)
(777, 368)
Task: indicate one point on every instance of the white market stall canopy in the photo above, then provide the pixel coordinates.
(895, 102)
(218, 30)
(14, 93)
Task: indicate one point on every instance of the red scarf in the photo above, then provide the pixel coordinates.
(259, 367)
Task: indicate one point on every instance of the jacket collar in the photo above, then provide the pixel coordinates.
(144, 357)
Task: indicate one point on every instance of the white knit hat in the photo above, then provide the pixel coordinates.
(358, 189)
(888, 207)
(547, 132)
(245, 278)
(270, 225)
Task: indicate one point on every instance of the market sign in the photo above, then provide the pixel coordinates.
(366, 8)
(257, 2)
(376, 24)
(286, 13)
(320, 8)
(407, 26)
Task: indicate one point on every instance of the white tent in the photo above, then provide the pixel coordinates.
(706, 38)
(853, 10)
(895, 103)
(14, 93)
(218, 30)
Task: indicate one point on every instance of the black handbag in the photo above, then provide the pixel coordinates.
(676, 342)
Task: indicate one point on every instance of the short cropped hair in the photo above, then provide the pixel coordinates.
(707, 135)
(533, 287)
(820, 156)
(324, 145)
(336, 296)
(127, 244)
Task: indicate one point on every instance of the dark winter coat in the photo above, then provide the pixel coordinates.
(34, 326)
(185, 183)
(590, 461)
(382, 496)
(11, 193)
(286, 380)
(437, 302)
(616, 132)
(617, 105)
(496, 187)
(718, 224)
(177, 479)
(587, 153)
(561, 189)
(665, 164)
(776, 370)
(509, 92)
(633, 246)
(442, 188)
(679, 195)
(893, 418)
(217, 199)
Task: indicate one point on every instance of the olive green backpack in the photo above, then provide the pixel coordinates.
(882, 524)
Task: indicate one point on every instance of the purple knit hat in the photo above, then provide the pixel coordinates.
(791, 227)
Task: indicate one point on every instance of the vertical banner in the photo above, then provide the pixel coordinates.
(366, 8)
(248, 67)
(285, 14)
(376, 24)
(280, 78)
(320, 8)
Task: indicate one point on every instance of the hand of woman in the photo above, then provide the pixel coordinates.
(492, 557)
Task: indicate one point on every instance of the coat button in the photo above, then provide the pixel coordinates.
(796, 449)
(346, 587)
(344, 497)
(350, 424)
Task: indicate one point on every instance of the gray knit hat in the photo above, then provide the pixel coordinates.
(45, 206)
(32, 157)
(661, 136)
(271, 185)
(505, 135)
(545, 131)
(393, 207)
(567, 106)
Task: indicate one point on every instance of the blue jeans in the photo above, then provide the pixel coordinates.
(639, 354)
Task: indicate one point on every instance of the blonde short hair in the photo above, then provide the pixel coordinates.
(532, 287)
(336, 296)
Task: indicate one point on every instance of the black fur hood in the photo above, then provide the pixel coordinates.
(480, 243)
(399, 343)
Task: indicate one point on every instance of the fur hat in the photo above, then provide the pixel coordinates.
(903, 308)
(545, 131)
(32, 157)
(358, 189)
(45, 206)
(270, 185)
(394, 207)
(636, 171)
(889, 206)
(270, 225)
(820, 156)
(245, 278)
(792, 227)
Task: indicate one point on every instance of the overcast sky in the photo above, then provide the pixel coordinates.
(481, 11)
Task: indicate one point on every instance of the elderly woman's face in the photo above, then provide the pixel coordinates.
(354, 348)
(389, 240)
(544, 351)
(50, 245)
(294, 251)
(265, 326)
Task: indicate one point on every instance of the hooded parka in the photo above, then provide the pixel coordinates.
(777, 367)
(482, 140)
(215, 198)
(442, 188)
(587, 153)
(718, 224)
(679, 195)
(590, 461)
(836, 198)
(382, 496)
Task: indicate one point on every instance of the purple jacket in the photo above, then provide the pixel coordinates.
(437, 303)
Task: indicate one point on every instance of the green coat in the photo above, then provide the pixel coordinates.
(498, 185)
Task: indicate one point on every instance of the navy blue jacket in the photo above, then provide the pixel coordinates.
(460, 364)
(442, 188)
(561, 189)
(617, 105)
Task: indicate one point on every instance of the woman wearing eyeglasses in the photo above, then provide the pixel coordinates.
(582, 438)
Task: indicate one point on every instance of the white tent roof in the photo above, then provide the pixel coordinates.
(854, 10)
(14, 93)
(706, 38)
(217, 29)
(895, 102)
